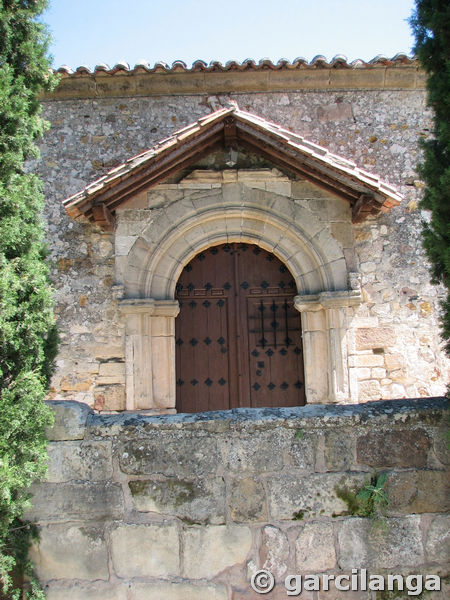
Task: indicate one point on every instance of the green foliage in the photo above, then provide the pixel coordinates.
(27, 331)
(431, 26)
(298, 516)
(371, 500)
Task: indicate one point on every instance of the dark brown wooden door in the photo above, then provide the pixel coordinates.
(238, 336)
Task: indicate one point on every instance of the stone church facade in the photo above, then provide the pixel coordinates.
(241, 236)
(324, 179)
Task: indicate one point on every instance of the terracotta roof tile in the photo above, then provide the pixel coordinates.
(318, 62)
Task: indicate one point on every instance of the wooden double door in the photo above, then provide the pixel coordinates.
(238, 336)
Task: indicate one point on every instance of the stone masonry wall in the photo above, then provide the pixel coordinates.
(187, 507)
(378, 129)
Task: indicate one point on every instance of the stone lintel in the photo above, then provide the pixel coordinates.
(324, 300)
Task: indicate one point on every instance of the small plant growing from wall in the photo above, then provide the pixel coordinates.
(371, 500)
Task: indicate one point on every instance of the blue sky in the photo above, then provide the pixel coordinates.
(94, 31)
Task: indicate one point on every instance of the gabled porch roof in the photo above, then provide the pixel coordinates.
(232, 128)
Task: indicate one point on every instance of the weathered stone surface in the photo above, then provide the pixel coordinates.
(88, 460)
(84, 591)
(418, 492)
(169, 453)
(194, 501)
(278, 593)
(334, 594)
(261, 451)
(177, 591)
(402, 448)
(369, 390)
(210, 550)
(247, 500)
(109, 397)
(70, 420)
(274, 554)
(437, 546)
(68, 551)
(145, 550)
(374, 337)
(311, 495)
(314, 548)
(362, 544)
(89, 501)
(303, 450)
(441, 445)
(339, 450)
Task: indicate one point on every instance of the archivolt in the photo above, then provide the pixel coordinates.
(295, 236)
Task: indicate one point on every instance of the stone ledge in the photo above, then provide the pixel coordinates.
(75, 419)
(157, 84)
(329, 415)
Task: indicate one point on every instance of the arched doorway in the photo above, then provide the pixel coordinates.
(238, 336)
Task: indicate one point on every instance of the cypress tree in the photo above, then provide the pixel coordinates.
(431, 26)
(27, 333)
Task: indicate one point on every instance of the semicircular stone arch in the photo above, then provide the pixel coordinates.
(272, 222)
(175, 233)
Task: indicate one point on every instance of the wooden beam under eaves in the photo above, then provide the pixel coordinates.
(103, 217)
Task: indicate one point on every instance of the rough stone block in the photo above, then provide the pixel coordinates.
(274, 553)
(123, 244)
(85, 591)
(366, 360)
(369, 390)
(314, 548)
(111, 369)
(109, 397)
(194, 501)
(259, 451)
(177, 591)
(441, 445)
(106, 352)
(305, 189)
(278, 593)
(394, 361)
(247, 500)
(311, 495)
(339, 450)
(437, 546)
(334, 594)
(374, 337)
(89, 460)
(418, 492)
(210, 550)
(343, 233)
(402, 448)
(67, 551)
(70, 420)
(89, 501)
(145, 550)
(303, 449)
(282, 188)
(170, 454)
(363, 545)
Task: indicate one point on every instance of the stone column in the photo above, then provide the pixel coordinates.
(324, 328)
(150, 353)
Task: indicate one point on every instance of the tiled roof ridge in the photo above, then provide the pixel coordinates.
(318, 62)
